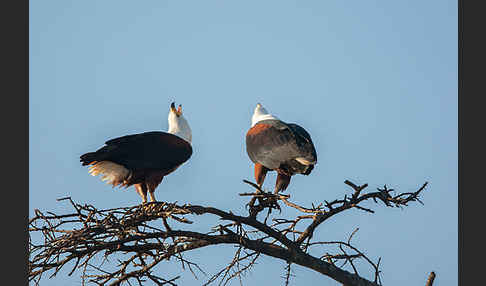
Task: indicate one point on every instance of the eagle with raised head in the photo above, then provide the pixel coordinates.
(275, 145)
(143, 159)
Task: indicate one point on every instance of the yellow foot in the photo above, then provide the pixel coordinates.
(146, 206)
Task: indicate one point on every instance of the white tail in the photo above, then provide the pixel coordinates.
(112, 173)
(304, 161)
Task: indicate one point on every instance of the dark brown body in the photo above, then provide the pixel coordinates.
(276, 145)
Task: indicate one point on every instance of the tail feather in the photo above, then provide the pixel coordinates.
(89, 158)
(111, 173)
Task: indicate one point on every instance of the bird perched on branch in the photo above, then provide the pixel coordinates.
(275, 145)
(143, 159)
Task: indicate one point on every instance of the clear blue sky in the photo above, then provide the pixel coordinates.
(374, 83)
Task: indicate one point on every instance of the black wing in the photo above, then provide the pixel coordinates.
(149, 150)
(279, 142)
(304, 142)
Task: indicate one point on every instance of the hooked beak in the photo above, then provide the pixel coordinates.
(177, 111)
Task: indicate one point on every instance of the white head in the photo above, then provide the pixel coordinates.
(178, 124)
(260, 114)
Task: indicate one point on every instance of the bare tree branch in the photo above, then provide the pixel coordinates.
(142, 235)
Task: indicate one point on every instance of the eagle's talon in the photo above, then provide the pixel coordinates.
(146, 206)
(273, 204)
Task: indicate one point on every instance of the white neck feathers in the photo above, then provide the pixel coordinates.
(260, 114)
(178, 126)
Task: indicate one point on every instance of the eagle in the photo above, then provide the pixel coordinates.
(273, 144)
(143, 159)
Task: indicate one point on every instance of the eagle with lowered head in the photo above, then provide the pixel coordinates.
(275, 145)
(143, 159)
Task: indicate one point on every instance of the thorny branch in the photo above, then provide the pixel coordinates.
(140, 238)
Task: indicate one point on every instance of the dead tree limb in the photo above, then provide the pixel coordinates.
(142, 235)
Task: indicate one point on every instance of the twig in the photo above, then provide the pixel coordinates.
(142, 232)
